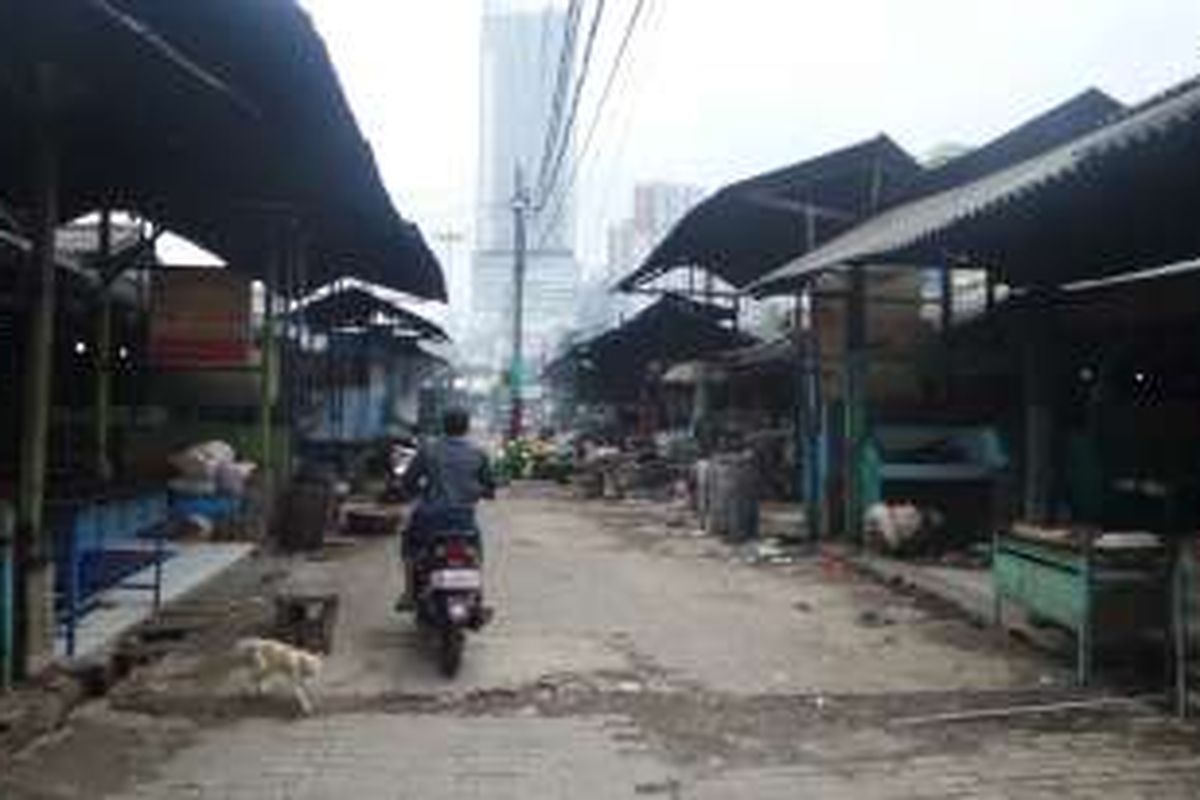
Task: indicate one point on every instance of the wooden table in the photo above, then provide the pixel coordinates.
(1089, 583)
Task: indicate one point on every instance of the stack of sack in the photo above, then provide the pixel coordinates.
(209, 484)
(901, 529)
(210, 468)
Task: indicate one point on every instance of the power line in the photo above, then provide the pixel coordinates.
(547, 182)
(566, 59)
(630, 28)
(653, 22)
(543, 61)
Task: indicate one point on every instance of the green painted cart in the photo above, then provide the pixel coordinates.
(1094, 586)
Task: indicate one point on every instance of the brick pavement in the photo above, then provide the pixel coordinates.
(752, 698)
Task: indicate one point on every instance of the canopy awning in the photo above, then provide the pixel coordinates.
(749, 228)
(1118, 198)
(614, 365)
(355, 306)
(221, 120)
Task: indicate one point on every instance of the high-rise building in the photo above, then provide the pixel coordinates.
(519, 65)
(656, 208)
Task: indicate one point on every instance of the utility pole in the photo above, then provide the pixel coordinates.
(520, 207)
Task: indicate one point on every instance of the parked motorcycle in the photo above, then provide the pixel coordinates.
(400, 457)
(449, 595)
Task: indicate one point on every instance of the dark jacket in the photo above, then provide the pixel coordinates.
(450, 473)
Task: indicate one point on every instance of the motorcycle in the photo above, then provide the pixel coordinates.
(449, 595)
(400, 457)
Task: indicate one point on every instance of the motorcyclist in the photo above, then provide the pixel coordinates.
(449, 475)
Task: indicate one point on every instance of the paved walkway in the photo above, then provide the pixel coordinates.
(190, 565)
(631, 659)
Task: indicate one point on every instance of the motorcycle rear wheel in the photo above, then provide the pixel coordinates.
(450, 650)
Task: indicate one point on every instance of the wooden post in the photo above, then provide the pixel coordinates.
(856, 402)
(103, 357)
(799, 446)
(267, 385)
(34, 620)
(807, 416)
(946, 303)
(6, 596)
(815, 408)
(814, 482)
(1037, 364)
(946, 298)
(287, 360)
(702, 407)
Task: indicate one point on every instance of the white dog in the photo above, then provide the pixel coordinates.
(268, 658)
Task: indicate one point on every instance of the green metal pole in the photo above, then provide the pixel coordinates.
(1181, 593)
(801, 466)
(855, 400)
(1037, 359)
(33, 548)
(946, 303)
(267, 389)
(103, 362)
(1085, 635)
(701, 406)
(806, 395)
(6, 596)
(813, 412)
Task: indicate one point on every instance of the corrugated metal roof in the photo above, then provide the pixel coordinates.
(1084, 112)
(743, 231)
(748, 228)
(910, 233)
(360, 306)
(670, 330)
(140, 132)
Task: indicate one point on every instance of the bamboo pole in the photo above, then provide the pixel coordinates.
(6, 596)
(103, 359)
(33, 551)
(267, 369)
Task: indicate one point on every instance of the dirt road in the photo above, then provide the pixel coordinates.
(630, 659)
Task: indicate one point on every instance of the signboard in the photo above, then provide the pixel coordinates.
(200, 318)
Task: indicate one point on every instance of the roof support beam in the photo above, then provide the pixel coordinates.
(724, 294)
(174, 56)
(808, 210)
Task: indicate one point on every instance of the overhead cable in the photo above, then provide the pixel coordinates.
(547, 181)
(610, 81)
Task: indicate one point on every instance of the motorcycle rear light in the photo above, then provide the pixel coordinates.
(458, 554)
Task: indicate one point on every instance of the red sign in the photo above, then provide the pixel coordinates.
(199, 317)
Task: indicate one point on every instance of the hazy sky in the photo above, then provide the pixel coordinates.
(719, 89)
